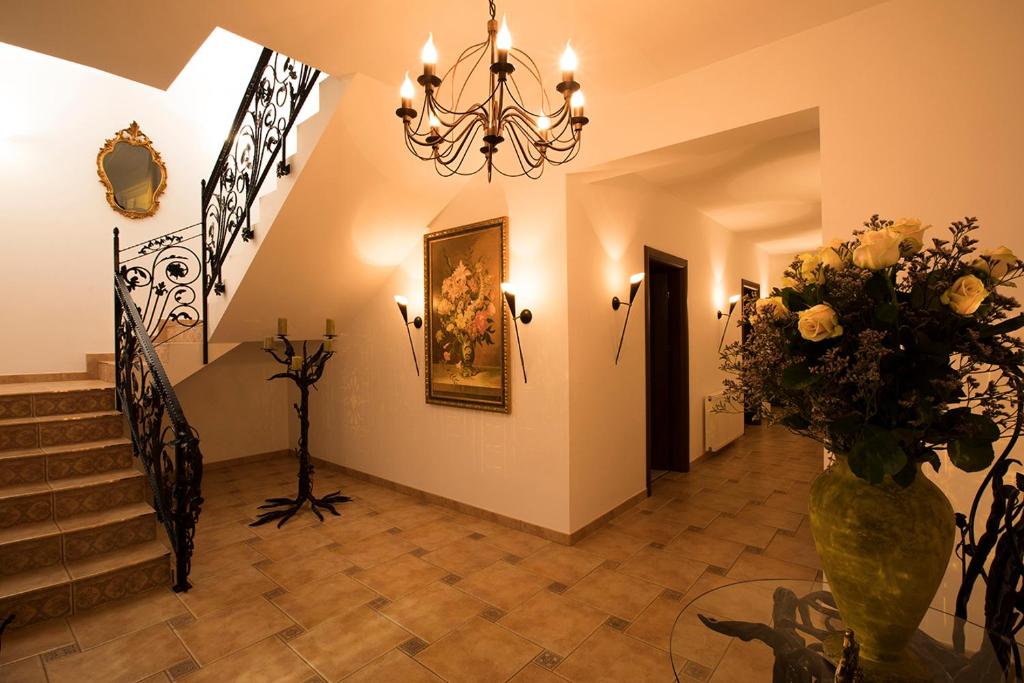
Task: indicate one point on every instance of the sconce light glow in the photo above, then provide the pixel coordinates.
(733, 299)
(407, 92)
(401, 300)
(504, 38)
(428, 55)
(508, 288)
(636, 278)
(416, 322)
(569, 61)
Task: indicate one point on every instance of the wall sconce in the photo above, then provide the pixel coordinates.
(526, 316)
(728, 316)
(635, 281)
(417, 322)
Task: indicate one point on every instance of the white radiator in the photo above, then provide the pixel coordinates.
(723, 422)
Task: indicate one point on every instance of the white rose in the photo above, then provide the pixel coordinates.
(878, 249)
(772, 307)
(818, 323)
(965, 295)
(997, 262)
(911, 233)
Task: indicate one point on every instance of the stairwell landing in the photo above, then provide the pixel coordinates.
(76, 525)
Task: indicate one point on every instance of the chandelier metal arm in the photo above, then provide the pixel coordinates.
(446, 132)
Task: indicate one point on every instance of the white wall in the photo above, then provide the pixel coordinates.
(370, 412)
(236, 411)
(609, 224)
(55, 223)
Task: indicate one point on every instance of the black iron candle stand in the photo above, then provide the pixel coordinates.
(305, 374)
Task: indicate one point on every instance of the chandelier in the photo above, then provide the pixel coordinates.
(448, 134)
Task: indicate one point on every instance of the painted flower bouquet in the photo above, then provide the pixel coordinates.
(467, 313)
(888, 350)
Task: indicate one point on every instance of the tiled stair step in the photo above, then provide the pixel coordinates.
(42, 544)
(62, 590)
(36, 399)
(34, 465)
(55, 430)
(64, 498)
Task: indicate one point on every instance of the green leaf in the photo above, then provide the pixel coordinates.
(876, 454)
(905, 477)
(793, 300)
(932, 458)
(970, 455)
(798, 377)
(887, 313)
(878, 287)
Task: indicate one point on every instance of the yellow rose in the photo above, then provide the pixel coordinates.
(809, 268)
(772, 307)
(829, 258)
(911, 233)
(878, 249)
(965, 295)
(997, 262)
(818, 323)
(787, 281)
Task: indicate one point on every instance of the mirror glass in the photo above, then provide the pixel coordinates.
(134, 176)
(132, 172)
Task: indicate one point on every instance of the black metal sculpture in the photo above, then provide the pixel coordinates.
(997, 555)
(305, 371)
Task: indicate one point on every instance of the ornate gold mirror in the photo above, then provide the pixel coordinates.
(133, 173)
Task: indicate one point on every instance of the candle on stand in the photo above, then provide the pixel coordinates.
(329, 345)
(282, 327)
(329, 328)
(297, 361)
(268, 343)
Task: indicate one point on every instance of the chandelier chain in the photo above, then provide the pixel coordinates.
(494, 8)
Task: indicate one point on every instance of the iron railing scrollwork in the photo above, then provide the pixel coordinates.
(164, 277)
(276, 93)
(162, 438)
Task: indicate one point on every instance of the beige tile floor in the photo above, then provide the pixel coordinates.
(398, 590)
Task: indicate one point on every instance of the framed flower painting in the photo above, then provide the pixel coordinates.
(466, 336)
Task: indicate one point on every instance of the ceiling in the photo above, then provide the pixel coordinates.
(622, 46)
(763, 180)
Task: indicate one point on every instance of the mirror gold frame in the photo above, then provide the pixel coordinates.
(132, 135)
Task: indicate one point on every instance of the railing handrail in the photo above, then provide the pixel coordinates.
(243, 109)
(170, 399)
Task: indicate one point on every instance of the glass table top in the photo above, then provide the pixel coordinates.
(723, 636)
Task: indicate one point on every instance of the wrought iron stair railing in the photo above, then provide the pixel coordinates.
(162, 438)
(162, 288)
(277, 91)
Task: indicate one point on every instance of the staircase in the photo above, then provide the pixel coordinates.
(76, 527)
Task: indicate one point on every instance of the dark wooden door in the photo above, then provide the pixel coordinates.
(668, 391)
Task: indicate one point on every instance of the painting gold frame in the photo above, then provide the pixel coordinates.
(446, 383)
(132, 135)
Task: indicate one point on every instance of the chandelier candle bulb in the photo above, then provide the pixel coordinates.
(503, 42)
(407, 92)
(576, 103)
(568, 63)
(282, 327)
(329, 328)
(428, 55)
(543, 126)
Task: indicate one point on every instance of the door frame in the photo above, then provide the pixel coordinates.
(682, 459)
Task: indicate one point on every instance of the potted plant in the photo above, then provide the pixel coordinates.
(888, 352)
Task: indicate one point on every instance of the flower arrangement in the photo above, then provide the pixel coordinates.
(887, 351)
(466, 312)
